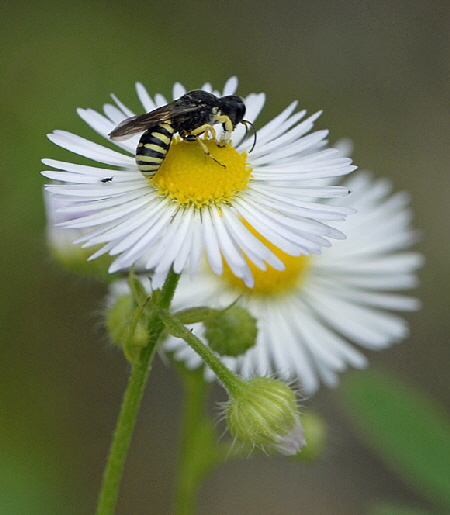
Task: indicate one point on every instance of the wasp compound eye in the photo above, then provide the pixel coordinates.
(233, 107)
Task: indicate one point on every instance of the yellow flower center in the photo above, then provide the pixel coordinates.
(191, 177)
(271, 282)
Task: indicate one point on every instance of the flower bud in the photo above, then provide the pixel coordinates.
(264, 413)
(232, 332)
(60, 241)
(125, 332)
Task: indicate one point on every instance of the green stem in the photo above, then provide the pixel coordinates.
(200, 451)
(131, 402)
(194, 460)
(230, 381)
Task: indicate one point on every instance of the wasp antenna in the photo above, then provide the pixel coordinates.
(246, 122)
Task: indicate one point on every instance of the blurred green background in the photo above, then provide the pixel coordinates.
(381, 73)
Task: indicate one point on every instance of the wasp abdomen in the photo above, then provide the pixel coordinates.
(153, 147)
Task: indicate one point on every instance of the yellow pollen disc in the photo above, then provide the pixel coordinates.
(190, 177)
(271, 282)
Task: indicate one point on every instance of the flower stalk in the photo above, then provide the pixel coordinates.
(131, 402)
(199, 450)
(230, 381)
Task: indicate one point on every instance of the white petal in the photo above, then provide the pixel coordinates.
(211, 243)
(255, 250)
(178, 90)
(272, 128)
(230, 86)
(127, 112)
(98, 122)
(114, 114)
(86, 148)
(145, 98)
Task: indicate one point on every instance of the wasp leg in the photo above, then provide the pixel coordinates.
(203, 129)
(208, 153)
(228, 128)
(206, 128)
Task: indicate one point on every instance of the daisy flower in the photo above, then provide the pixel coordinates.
(314, 314)
(192, 204)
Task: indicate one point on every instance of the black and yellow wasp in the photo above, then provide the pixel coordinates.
(191, 115)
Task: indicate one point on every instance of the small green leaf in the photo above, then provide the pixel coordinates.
(395, 509)
(407, 428)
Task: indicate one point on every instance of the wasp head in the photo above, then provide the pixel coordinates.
(233, 107)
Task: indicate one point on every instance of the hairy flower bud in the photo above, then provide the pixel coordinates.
(264, 414)
(232, 332)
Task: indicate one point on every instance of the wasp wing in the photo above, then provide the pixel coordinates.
(144, 122)
(141, 123)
